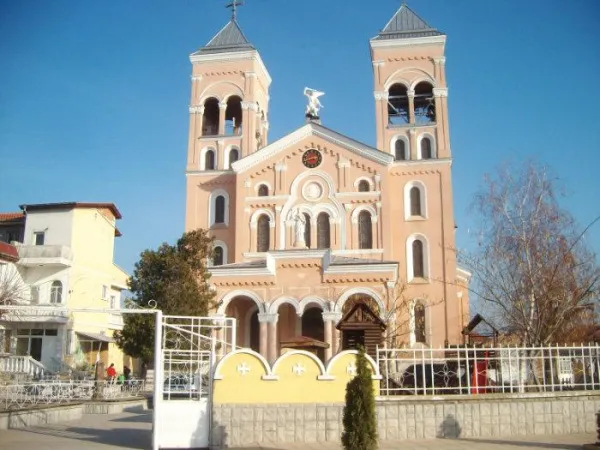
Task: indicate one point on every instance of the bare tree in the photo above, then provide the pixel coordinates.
(532, 267)
(12, 288)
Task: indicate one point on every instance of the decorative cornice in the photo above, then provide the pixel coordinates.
(197, 109)
(231, 56)
(250, 105)
(331, 316)
(410, 42)
(268, 318)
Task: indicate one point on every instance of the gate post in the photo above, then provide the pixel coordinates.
(158, 379)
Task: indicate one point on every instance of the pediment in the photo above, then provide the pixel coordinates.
(361, 314)
(368, 153)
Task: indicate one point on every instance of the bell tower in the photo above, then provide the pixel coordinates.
(229, 101)
(410, 88)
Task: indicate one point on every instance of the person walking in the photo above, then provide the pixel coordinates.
(111, 373)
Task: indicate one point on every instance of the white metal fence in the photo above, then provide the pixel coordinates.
(470, 371)
(17, 396)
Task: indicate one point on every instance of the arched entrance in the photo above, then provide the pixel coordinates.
(245, 311)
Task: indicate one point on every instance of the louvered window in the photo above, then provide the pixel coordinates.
(218, 256)
(417, 259)
(425, 148)
(263, 233)
(400, 150)
(234, 155)
(415, 201)
(209, 160)
(263, 190)
(365, 232)
(220, 209)
(323, 233)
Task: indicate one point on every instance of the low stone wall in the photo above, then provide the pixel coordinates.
(409, 418)
(39, 415)
(115, 406)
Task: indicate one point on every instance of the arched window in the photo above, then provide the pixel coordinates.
(415, 201)
(218, 256)
(365, 231)
(426, 148)
(263, 190)
(307, 230)
(363, 186)
(424, 103)
(323, 233)
(400, 150)
(398, 105)
(419, 316)
(210, 118)
(56, 292)
(220, 209)
(209, 160)
(418, 262)
(233, 116)
(234, 155)
(263, 233)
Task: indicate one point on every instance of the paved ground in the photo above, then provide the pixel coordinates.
(132, 431)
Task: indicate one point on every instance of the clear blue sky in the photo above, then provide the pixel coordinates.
(94, 95)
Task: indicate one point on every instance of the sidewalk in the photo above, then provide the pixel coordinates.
(132, 431)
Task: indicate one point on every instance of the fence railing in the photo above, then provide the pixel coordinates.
(471, 371)
(17, 396)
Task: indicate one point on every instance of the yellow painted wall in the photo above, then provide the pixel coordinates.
(296, 377)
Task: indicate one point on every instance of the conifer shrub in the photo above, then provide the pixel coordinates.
(360, 420)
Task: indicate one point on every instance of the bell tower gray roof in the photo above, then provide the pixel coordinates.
(229, 39)
(406, 24)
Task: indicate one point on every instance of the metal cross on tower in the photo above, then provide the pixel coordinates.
(233, 5)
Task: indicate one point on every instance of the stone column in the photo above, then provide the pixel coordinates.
(268, 325)
(264, 338)
(412, 145)
(411, 106)
(222, 110)
(330, 319)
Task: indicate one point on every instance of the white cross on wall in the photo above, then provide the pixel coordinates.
(351, 369)
(298, 369)
(243, 369)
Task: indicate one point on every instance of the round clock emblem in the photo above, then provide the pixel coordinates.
(312, 158)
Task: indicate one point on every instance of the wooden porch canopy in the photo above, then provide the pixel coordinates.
(361, 326)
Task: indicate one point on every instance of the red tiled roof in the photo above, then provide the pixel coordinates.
(8, 252)
(9, 216)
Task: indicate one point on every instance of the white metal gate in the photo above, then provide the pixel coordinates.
(186, 351)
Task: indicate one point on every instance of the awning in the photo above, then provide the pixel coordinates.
(85, 336)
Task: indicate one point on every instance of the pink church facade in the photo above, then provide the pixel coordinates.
(315, 222)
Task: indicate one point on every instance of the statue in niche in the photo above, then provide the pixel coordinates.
(299, 228)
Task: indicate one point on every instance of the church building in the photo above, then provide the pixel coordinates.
(322, 242)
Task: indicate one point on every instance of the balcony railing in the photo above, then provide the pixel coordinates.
(44, 254)
(22, 365)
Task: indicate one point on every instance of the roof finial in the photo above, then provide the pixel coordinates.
(233, 5)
